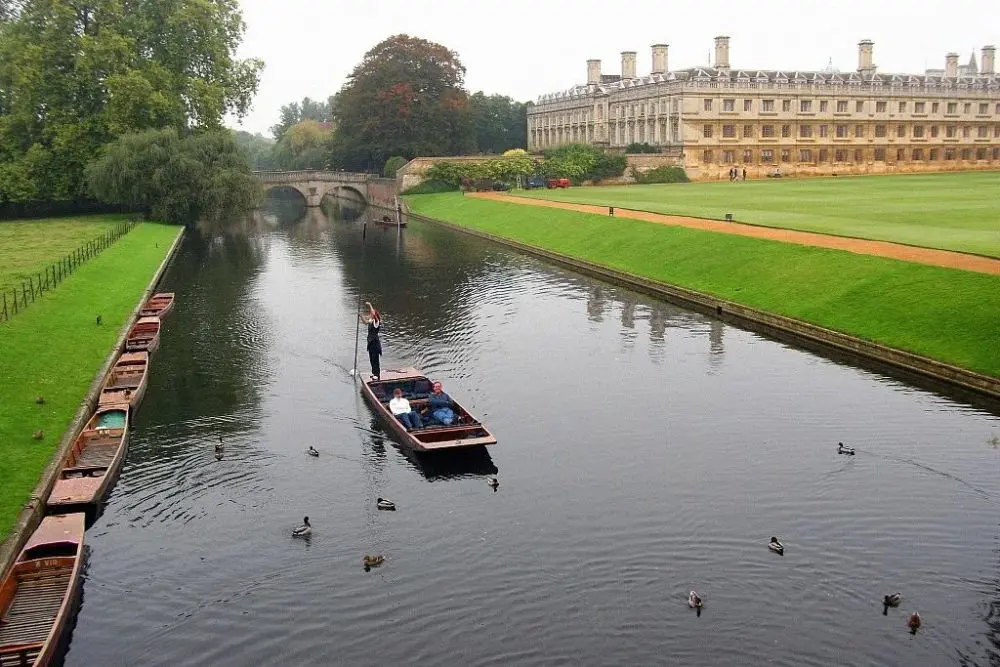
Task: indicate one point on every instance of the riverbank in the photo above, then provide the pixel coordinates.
(944, 314)
(951, 211)
(55, 348)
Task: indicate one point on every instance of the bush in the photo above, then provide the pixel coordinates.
(641, 148)
(430, 187)
(582, 162)
(662, 175)
(392, 165)
(514, 152)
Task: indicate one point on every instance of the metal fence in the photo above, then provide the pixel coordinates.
(16, 299)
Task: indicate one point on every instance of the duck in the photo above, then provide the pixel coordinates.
(38, 435)
(100, 320)
(312, 451)
(220, 449)
(372, 561)
(914, 622)
(695, 602)
(305, 530)
(40, 400)
(494, 483)
(776, 546)
(892, 600)
(384, 504)
(844, 449)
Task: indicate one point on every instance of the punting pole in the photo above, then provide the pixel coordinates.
(357, 313)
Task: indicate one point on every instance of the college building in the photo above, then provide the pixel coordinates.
(710, 119)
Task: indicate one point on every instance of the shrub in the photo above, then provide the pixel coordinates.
(641, 148)
(672, 174)
(392, 165)
(513, 152)
(430, 187)
(582, 162)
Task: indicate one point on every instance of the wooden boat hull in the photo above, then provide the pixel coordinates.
(127, 381)
(466, 432)
(37, 597)
(144, 336)
(90, 468)
(158, 305)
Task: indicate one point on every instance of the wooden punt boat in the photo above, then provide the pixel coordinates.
(158, 305)
(467, 431)
(127, 381)
(89, 469)
(38, 594)
(386, 221)
(144, 336)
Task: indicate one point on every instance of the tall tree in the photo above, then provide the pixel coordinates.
(257, 148)
(499, 123)
(308, 109)
(405, 98)
(306, 145)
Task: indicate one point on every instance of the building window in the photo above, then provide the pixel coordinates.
(805, 155)
(805, 130)
(966, 153)
(934, 107)
(767, 156)
(840, 156)
(934, 131)
(786, 155)
(786, 105)
(823, 130)
(805, 105)
(841, 131)
(902, 107)
(880, 155)
(880, 131)
(859, 131)
(747, 105)
(967, 107)
(728, 157)
(728, 105)
(747, 156)
(996, 153)
(858, 155)
(900, 154)
(934, 155)
(767, 131)
(900, 130)
(842, 106)
(824, 155)
(859, 106)
(983, 131)
(966, 131)
(706, 157)
(918, 154)
(767, 105)
(949, 131)
(981, 154)
(918, 131)
(996, 132)
(918, 107)
(823, 105)
(729, 131)
(708, 105)
(952, 107)
(998, 109)
(786, 131)
(707, 131)
(748, 130)
(949, 154)
(880, 107)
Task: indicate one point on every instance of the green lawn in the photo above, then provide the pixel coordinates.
(957, 211)
(28, 246)
(946, 314)
(55, 348)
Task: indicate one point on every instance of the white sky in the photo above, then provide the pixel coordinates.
(523, 48)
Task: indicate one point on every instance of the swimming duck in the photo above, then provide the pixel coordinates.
(38, 435)
(220, 449)
(776, 546)
(695, 602)
(305, 530)
(494, 483)
(312, 451)
(384, 504)
(914, 622)
(892, 600)
(40, 400)
(844, 449)
(372, 561)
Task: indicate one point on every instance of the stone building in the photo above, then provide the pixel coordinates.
(819, 122)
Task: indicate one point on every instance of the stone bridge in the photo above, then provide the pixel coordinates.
(314, 185)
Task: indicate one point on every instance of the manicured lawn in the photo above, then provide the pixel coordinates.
(958, 211)
(28, 246)
(54, 350)
(946, 314)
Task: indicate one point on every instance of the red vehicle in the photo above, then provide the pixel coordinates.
(558, 183)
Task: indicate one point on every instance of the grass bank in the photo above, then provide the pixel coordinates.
(956, 211)
(28, 246)
(55, 348)
(948, 315)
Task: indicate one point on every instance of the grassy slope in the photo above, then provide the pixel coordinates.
(54, 349)
(959, 211)
(28, 246)
(946, 314)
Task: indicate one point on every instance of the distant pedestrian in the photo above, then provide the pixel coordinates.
(374, 321)
(744, 173)
(611, 211)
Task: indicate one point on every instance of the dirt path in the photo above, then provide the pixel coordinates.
(945, 258)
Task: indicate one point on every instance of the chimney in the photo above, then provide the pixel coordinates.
(659, 58)
(989, 52)
(722, 52)
(951, 64)
(593, 71)
(628, 65)
(866, 48)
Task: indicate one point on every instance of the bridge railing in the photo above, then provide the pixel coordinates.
(313, 175)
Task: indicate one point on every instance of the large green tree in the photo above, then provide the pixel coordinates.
(75, 74)
(305, 145)
(308, 109)
(257, 148)
(405, 98)
(499, 123)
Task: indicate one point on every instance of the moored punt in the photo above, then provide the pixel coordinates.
(37, 595)
(95, 458)
(158, 305)
(144, 336)
(127, 381)
(467, 431)
(389, 222)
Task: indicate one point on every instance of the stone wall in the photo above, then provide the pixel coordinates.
(716, 172)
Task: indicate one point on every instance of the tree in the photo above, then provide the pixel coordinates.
(405, 98)
(180, 180)
(74, 75)
(257, 148)
(392, 165)
(305, 145)
(499, 123)
(294, 113)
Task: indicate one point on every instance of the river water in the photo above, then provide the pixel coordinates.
(644, 451)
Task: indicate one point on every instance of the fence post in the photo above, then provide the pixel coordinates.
(31, 284)
(39, 283)
(24, 294)
(15, 300)
(5, 316)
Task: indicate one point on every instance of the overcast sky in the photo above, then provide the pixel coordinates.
(523, 48)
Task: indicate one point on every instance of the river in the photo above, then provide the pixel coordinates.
(644, 451)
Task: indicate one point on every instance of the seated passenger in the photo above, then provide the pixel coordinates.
(400, 407)
(439, 406)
